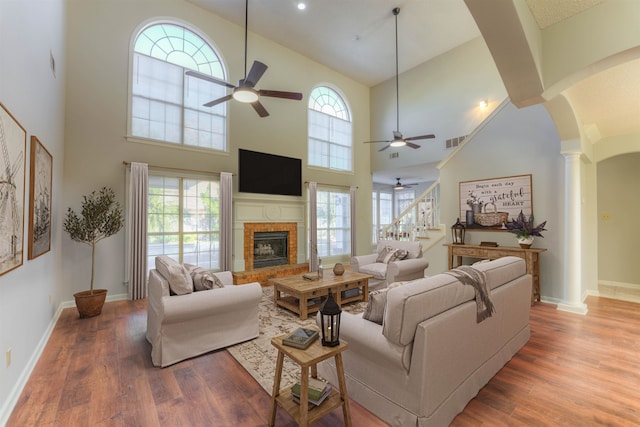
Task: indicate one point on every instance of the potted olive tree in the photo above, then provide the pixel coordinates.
(99, 218)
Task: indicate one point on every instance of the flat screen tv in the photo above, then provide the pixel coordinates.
(269, 174)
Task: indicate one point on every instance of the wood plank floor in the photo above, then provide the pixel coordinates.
(575, 371)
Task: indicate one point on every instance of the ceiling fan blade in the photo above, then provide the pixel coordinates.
(208, 78)
(256, 71)
(414, 138)
(385, 147)
(262, 112)
(373, 142)
(280, 94)
(218, 101)
(412, 145)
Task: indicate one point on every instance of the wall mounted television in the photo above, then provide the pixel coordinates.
(269, 173)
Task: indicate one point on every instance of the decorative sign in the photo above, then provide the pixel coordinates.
(488, 204)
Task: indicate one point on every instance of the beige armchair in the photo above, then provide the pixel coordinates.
(184, 326)
(386, 270)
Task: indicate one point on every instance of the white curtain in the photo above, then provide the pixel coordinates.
(138, 189)
(352, 193)
(226, 220)
(313, 227)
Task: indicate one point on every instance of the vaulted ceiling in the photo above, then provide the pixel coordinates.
(356, 38)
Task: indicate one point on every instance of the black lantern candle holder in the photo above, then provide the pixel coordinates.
(330, 321)
(457, 233)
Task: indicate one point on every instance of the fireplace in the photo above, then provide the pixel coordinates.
(266, 242)
(270, 248)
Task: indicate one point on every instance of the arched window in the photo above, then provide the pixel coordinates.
(166, 104)
(330, 141)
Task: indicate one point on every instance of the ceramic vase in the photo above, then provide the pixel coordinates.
(525, 242)
(338, 269)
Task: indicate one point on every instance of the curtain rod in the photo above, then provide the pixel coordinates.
(124, 162)
(331, 185)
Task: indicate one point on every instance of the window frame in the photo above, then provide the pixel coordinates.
(130, 95)
(180, 234)
(345, 230)
(327, 144)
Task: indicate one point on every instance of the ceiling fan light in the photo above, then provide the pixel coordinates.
(398, 143)
(245, 94)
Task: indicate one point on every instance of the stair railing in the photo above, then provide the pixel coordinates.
(416, 219)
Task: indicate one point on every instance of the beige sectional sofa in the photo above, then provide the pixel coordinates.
(184, 326)
(430, 357)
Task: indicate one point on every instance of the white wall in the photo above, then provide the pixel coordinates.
(30, 294)
(100, 34)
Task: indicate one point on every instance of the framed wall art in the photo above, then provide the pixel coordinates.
(40, 199)
(13, 144)
(488, 204)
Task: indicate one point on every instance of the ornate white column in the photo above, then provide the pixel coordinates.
(572, 235)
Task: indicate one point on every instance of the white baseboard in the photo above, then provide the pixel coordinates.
(619, 284)
(16, 391)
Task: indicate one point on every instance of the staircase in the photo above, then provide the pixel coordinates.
(419, 221)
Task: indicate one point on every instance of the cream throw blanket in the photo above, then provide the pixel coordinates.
(470, 276)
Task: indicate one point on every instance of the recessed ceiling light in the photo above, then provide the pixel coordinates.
(301, 6)
(484, 104)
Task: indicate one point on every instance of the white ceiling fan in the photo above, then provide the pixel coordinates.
(398, 140)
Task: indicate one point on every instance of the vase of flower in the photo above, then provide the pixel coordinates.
(524, 230)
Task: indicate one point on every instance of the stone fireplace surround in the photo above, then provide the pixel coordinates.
(256, 213)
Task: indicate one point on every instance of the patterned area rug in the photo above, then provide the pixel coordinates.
(258, 356)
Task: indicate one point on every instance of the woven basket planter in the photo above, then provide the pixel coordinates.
(88, 304)
(490, 219)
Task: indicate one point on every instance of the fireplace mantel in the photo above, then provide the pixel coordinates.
(262, 213)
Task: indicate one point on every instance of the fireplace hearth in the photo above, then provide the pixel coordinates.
(270, 248)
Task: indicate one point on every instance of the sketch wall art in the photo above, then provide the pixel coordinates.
(40, 199)
(13, 143)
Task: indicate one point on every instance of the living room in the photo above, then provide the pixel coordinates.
(79, 111)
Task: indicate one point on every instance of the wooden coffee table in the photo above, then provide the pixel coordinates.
(305, 296)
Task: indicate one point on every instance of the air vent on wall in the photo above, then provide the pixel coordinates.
(454, 142)
(394, 155)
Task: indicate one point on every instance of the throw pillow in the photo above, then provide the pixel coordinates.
(178, 277)
(386, 254)
(203, 279)
(399, 255)
(374, 312)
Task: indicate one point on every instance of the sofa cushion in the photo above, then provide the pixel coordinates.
(378, 270)
(180, 281)
(202, 278)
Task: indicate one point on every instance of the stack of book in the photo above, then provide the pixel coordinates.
(301, 338)
(318, 391)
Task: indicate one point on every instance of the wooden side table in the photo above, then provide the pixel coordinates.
(308, 359)
(530, 256)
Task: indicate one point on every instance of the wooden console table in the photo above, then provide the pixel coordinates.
(530, 256)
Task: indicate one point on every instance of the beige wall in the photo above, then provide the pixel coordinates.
(100, 34)
(618, 208)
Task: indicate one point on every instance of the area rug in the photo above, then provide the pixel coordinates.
(259, 357)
